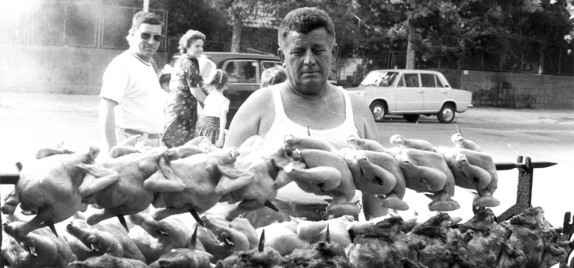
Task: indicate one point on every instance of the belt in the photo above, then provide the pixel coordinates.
(143, 134)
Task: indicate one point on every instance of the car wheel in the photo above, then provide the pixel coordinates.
(378, 109)
(411, 117)
(446, 113)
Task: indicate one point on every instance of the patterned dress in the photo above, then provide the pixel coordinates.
(181, 111)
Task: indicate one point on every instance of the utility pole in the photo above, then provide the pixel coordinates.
(146, 5)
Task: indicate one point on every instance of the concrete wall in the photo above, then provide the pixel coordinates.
(519, 90)
(57, 69)
(77, 70)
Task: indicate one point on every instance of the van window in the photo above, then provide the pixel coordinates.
(241, 71)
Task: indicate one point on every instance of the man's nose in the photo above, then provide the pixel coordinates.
(151, 41)
(309, 57)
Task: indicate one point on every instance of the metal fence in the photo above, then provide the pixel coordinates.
(551, 60)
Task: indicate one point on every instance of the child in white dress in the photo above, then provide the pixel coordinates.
(215, 109)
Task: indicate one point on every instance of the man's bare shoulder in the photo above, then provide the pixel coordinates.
(253, 117)
(260, 101)
(262, 95)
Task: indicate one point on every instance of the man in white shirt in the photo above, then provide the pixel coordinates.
(131, 99)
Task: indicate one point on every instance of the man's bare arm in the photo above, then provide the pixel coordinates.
(246, 122)
(363, 118)
(108, 121)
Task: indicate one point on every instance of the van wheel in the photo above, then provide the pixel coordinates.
(379, 110)
(446, 113)
(411, 117)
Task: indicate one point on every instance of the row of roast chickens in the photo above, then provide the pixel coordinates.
(526, 240)
(196, 176)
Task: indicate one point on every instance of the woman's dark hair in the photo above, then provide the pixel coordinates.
(188, 38)
(219, 79)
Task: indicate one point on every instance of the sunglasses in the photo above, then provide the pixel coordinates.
(147, 36)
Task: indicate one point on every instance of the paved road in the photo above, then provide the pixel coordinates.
(31, 121)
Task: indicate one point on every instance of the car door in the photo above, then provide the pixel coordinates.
(266, 64)
(434, 92)
(243, 75)
(408, 93)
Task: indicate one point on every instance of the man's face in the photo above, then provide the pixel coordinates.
(144, 40)
(307, 59)
(195, 48)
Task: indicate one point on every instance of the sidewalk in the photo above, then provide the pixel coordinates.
(518, 116)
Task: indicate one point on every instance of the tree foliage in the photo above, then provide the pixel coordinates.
(444, 28)
(441, 29)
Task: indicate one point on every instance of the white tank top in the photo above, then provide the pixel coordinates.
(282, 126)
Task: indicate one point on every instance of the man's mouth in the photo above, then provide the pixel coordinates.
(310, 73)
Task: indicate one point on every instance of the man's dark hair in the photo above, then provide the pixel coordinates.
(145, 17)
(305, 20)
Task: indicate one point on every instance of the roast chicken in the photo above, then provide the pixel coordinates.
(52, 188)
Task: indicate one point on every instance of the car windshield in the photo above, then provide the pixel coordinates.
(378, 78)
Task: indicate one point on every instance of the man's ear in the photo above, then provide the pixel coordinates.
(130, 34)
(281, 55)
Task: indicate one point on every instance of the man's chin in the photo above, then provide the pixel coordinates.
(312, 87)
(148, 53)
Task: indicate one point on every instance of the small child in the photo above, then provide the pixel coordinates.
(216, 106)
(272, 76)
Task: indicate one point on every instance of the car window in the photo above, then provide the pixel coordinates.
(439, 83)
(382, 79)
(401, 82)
(241, 71)
(412, 80)
(270, 64)
(428, 80)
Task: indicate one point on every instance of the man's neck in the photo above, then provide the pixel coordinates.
(320, 95)
(326, 108)
(141, 57)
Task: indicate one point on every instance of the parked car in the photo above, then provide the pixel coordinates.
(412, 93)
(244, 72)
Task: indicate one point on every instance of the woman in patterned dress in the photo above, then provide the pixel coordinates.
(186, 91)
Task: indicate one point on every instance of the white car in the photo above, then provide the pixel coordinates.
(411, 93)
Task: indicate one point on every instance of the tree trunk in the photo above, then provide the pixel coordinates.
(410, 50)
(236, 39)
(541, 59)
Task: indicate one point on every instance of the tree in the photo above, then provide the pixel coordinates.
(427, 25)
(239, 11)
(197, 15)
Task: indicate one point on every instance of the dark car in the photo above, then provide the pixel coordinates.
(244, 72)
